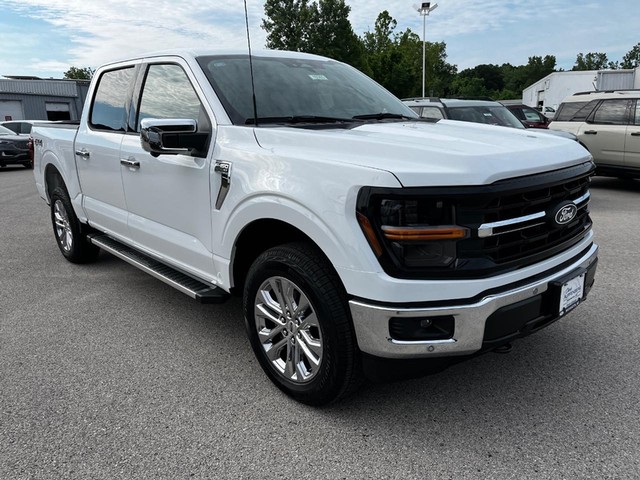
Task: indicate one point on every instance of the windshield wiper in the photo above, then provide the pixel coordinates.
(299, 119)
(383, 116)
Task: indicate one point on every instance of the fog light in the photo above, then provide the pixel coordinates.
(422, 328)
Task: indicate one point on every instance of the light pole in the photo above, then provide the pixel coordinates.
(424, 9)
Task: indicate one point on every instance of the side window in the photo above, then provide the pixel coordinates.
(168, 93)
(107, 111)
(431, 112)
(637, 122)
(533, 116)
(26, 128)
(613, 112)
(12, 126)
(568, 110)
(518, 112)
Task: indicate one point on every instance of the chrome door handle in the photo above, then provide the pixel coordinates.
(130, 162)
(84, 153)
(591, 132)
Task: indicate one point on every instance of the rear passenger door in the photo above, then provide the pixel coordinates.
(604, 133)
(632, 143)
(97, 152)
(168, 196)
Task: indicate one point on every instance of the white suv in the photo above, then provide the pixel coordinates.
(608, 125)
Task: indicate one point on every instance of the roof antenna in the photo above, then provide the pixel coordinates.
(253, 87)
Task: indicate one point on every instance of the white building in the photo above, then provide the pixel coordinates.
(555, 87)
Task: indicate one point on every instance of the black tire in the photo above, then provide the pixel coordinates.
(69, 232)
(304, 268)
(28, 165)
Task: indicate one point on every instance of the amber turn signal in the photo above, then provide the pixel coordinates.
(451, 232)
(370, 234)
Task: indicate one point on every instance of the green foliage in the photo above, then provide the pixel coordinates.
(632, 58)
(502, 81)
(394, 59)
(79, 73)
(321, 27)
(591, 61)
(286, 24)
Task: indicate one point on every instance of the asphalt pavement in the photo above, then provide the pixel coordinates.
(107, 373)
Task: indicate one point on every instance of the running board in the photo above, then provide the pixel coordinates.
(196, 289)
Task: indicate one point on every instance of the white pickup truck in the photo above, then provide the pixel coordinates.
(359, 235)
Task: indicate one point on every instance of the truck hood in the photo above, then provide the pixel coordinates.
(430, 154)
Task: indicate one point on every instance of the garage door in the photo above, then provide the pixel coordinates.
(11, 110)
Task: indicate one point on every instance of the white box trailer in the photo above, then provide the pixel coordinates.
(555, 87)
(552, 89)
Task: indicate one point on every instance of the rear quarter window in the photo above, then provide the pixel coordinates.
(568, 111)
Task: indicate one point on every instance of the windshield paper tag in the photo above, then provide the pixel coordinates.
(318, 77)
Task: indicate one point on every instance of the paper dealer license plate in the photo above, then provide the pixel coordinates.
(571, 293)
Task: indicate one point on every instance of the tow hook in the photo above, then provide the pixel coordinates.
(506, 348)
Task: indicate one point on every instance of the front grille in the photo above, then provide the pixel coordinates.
(512, 240)
(511, 222)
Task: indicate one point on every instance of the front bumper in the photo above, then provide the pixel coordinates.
(506, 311)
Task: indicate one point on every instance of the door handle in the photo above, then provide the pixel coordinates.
(635, 134)
(591, 132)
(83, 153)
(130, 162)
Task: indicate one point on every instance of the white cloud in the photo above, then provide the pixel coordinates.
(104, 31)
(491, 31)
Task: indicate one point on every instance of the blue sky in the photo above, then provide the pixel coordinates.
(45, 37)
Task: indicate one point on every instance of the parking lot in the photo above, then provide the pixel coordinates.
(108, 373)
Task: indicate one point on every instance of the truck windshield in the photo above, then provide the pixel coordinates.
(299, 88)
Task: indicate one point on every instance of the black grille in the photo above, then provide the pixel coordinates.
(543, 237)
(505, 247)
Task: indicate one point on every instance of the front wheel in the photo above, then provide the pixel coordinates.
(299, 324)
(68, 230)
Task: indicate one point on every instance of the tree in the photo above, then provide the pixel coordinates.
(321, 27)
(79, 73)
(591, 61)
(331, 33)
(286, 24)
(491, 76)
(395, 60)
(632, 58)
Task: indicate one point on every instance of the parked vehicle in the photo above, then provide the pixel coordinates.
(22, 127)
(360, 237)
(548, 112)
(476, 111)
(14, 149)
(608, 125)
(529, 116)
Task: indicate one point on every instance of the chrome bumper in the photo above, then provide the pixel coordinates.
(371, 322)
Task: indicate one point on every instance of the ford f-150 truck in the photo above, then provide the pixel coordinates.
(357, 233)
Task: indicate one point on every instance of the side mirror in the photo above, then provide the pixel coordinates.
(169, 136)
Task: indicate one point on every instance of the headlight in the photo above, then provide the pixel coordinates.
(412, 233)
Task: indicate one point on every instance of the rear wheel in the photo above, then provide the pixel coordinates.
(68, 230)
(299, 324)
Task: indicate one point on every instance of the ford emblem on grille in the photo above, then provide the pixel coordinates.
(565, 213)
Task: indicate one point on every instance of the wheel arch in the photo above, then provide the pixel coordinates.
(259, 236)
(52, 180)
